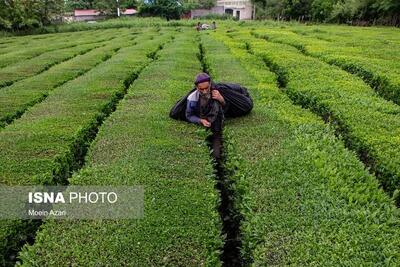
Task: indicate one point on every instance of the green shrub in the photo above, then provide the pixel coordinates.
(140, 145)
(49, 142)
(18, 52)
(304, 197)
(15, 99)
(363, 55)
(368, 123)
(216, 17)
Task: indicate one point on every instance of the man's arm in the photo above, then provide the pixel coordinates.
(190, 113)
(217, 96)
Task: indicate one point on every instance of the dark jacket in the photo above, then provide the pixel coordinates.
(238, 102)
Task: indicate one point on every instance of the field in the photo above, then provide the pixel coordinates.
(311, 177)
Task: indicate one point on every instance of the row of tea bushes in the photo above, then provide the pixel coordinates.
(369, 124)
(376, 65)
(140, 145)
(15, 99)
(50, 140)
(305, 199)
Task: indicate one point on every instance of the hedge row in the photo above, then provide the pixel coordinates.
(376, 37)
(369, 124)
(116, 23)
(15, 99)
(49, 141)
(19, 40)
(14, 45)
(28, 68)
(376, 64)
(305, 199)
(29, 49)
(139, 145)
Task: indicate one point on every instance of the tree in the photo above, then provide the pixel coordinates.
(321, 10)
(11, 15)
(26, 14)
(269, 8)
(389, 11)
(169, 9)
(50, 10)
(297, 8)
(129, 4)
(80, 4)
(344, 10)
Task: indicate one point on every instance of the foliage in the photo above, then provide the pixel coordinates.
(169, 9)
(27, 14)
(369, 124)
(217, 17)
(304, 197)
(181, 225)
(342, 11)
(18, 97)
(82, 103)
(309, 163)
(374, 60)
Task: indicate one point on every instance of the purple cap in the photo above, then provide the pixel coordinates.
(202, 77)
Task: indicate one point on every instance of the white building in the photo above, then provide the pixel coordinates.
(241, 9)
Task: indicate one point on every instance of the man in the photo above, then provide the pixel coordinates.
(205, 107)
(198, 27)
(209, 103)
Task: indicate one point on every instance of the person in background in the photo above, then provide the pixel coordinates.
(198, 27)
(205, 26)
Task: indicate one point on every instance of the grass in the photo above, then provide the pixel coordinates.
(37, 65)
(116, 23)
(18, 97)
(372, 60)
(368, 123)
(50, 140)
(19, 52)
(305, 199)
(139, 145)
(306, 167)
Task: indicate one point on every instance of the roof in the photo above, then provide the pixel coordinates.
(129, 11)
(86, 12)
(94, 12)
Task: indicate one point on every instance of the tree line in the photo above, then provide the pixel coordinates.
(27, 14)
(24, 14)
(358, 12)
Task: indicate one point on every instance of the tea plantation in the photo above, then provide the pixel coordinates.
(312, 173)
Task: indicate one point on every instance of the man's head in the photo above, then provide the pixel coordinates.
(203, 83)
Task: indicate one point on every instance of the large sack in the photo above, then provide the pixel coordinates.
(238, 101)
(179, 109)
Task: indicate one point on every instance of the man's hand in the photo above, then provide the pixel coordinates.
(205, 123)
(217, 96)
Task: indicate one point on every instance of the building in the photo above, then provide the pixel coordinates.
(195, 13)
(240, 9)
(92, 14)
